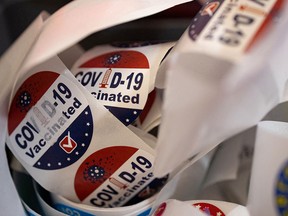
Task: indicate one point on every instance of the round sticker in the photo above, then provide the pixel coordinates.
(119, 80)
(281, 192)
(112, 176)
(200, 21)
(50, 124)
(209, 209)
(160, 210)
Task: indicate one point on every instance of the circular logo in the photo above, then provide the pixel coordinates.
(50, 124)
(209, 209)
(119, 80)
(99, 167)
(160, 210)
(281, 192)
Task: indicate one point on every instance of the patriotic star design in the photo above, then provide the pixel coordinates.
(99, 167)
(209, 209)
(50, 156)
(79, 132)
(202, 18)
(126, 116)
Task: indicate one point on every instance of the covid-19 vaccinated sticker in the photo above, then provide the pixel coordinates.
(50, 124)
(112, 176)
(209, 209)
(230, 28)
(119, 80)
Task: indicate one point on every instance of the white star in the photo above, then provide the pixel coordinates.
(59, 164)
(48, 164)
(198, 206)
(135, 112)
(86, 134)
(68, 159)
(77, 153)
(88, 124)
(39, 163)
(127, 120)
(219, 214)
(83, 144)
(86, 113)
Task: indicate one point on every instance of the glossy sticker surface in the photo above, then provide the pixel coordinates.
(112, 176)
(119, 80)
(50, 124)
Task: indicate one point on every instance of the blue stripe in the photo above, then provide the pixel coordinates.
(71, 211)
(145, 213)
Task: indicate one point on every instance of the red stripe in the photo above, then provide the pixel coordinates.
(276, 8)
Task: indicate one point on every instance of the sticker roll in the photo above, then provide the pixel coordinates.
(71, 145)
(63, 205)
(121, 75)
(200, 207)
(219, 208)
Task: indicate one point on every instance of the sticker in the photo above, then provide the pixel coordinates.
(209, 209)
(202, 18)
(112, 176)
(281, 192)
(70, 211)
(231, 26)
(160, 210)
(119, 80)
(50, 124)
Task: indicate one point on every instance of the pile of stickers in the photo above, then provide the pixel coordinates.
(133, 128)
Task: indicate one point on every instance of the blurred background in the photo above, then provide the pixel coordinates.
(16, 15)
